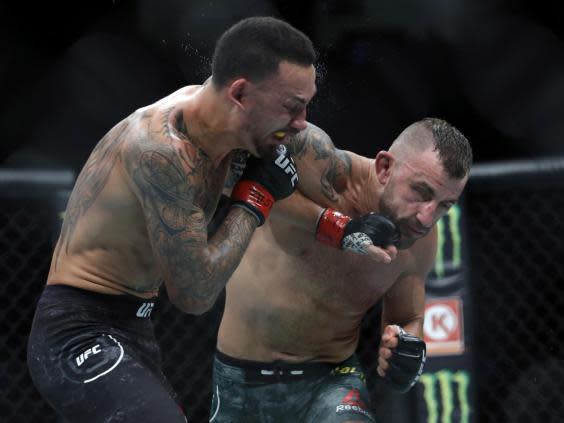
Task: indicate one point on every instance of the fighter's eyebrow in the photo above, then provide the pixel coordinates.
(302, 100)
(425, 188)
(429, 191)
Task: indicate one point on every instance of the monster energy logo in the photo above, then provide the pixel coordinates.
(443, 392)
(449, 242)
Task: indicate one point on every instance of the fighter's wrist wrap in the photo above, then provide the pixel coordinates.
(406, 363)
(253, 197)
(331, 227)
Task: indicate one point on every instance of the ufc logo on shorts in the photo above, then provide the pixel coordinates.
(84, 356)
(287, 164)
(145, 310)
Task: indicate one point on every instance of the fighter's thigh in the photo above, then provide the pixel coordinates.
(229, 401)
(228, 398)
(99, 378)
(344, 399)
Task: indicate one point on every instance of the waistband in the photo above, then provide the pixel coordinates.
(122, 305)
(281, 371)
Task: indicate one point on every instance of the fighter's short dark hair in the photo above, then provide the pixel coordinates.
(254, 47)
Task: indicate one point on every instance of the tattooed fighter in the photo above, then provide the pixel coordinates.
(287, 340)
(138, 217)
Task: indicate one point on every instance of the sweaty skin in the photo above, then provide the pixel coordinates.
(294, 299)
(104, 244)
(139, 211)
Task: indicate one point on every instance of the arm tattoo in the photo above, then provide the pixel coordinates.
(166, 130)
(175, 183)
(319, 145)
(238, 163)
(315, 147)
(235, 235)
(298, 143)
(342, 167)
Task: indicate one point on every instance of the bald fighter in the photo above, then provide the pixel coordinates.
(287, 340)
(138, 216)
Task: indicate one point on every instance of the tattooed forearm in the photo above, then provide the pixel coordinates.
(226, 250)
(176, 185)
(335, 173)
(238, 163)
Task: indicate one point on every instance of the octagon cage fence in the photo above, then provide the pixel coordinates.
(515, 223)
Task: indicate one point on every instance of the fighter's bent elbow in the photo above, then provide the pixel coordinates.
(190, 305)
(196, 309)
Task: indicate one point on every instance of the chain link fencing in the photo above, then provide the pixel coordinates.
(516, 226)
(517, 284)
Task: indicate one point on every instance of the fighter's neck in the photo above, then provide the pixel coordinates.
(209, 125)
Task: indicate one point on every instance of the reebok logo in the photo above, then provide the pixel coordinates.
(352, 403)
(84, 355)
(353, 398)
(287, 164)
(145, 310)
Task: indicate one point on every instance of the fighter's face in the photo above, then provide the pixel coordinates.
(418, 194)
(277, 108)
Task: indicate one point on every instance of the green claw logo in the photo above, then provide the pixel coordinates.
(450, 222)
(446, 396)
(447, 272)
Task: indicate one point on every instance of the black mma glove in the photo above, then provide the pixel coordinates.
(406, 362)
(340, 231)
(265, 181)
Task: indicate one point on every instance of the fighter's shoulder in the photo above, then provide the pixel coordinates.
(314, 147)
(156, 151)
(315, 140)
(323, 169)
(159, 126)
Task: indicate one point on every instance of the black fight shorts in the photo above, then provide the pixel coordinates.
(94, 358)
(254, 392)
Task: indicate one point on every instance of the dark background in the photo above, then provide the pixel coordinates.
(70, 71)
(493, 68)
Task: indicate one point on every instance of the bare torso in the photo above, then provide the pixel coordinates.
(294, 299)
(104, 244)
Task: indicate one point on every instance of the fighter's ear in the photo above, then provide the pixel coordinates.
(384, 163)
(238, 90)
